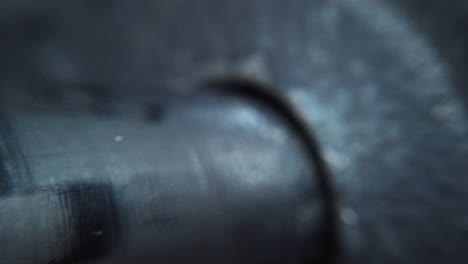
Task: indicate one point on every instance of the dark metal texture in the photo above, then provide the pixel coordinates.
(211, 181)
(382, 82)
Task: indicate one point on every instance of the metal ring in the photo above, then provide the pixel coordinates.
(260, 93)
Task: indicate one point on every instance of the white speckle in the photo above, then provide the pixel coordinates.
(298, 96)
(445, 111)
(337, 160)
(118, 138)
(199, 168)
(97, 233)
(255, 66)
(349, 216)
(248, 118)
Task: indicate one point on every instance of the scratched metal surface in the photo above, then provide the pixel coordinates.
(382, 82)
(208, 182)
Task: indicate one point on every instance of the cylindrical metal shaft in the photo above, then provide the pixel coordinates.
(108, 180)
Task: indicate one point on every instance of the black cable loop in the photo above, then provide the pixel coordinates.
(262, 94)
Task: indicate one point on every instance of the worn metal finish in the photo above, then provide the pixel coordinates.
(382, 82)
(210, 181)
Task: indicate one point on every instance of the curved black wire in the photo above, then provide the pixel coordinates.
(262, 94)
